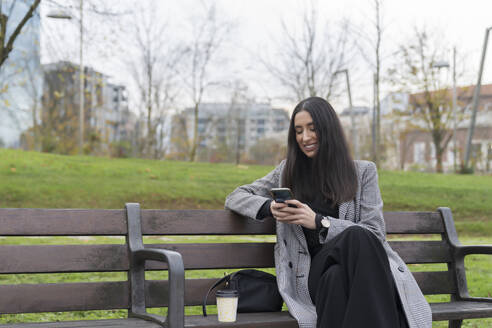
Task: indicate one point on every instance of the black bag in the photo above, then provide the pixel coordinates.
(258, 291)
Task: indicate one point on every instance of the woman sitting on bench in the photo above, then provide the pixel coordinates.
(334, 266)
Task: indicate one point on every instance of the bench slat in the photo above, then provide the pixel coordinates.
(191, 222)
(245, 320)
(28, 298)
(202, 222)
(413, 223)
(433, 283)
(89, 258)
(219, 256)
(81, 222)
(94, 258)
(108, 323)
(440, 311)
(254, 320)
(62, 258)
(65, 222)
(422, 251)
(87, 222)
(460, 310)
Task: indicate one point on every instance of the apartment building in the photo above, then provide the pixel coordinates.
(415, 148)
(105, 107)
(237, 127)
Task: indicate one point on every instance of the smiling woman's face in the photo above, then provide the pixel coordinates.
(306, 134)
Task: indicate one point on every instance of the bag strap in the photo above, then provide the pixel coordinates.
(221, 280)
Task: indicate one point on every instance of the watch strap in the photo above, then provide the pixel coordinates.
(317, 220)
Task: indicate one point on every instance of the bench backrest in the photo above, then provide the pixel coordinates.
(224, 254)
(62, 258)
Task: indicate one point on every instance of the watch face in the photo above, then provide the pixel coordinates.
(325, 223)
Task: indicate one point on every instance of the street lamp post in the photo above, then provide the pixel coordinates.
(455, 108)
(476, 95)
(355, 142)
(81, 79)
(64, 15)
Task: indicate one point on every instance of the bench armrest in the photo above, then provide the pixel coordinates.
(474, 249)
(138, 254)
(175, 317)
(460, 252)
(477, 299)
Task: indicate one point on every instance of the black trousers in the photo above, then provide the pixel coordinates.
(350, 283)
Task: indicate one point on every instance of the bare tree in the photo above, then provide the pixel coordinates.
(370, 45)
(154, 74)
(305, 63)
(32, 85)
(237, 116)
(9, 75)
(7, 42)
(209, 34)
(432, 105)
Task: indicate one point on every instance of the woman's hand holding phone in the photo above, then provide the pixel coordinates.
(301, 214)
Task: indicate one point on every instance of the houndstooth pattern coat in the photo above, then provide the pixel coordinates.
(292, 259)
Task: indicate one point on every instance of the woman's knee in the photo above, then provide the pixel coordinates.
(359, 235)
(358, 231)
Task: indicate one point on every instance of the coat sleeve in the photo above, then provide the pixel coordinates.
(371, 208)
(248, 199)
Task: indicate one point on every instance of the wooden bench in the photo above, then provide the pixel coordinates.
(135, 294)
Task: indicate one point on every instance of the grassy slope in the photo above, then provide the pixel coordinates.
(30, 179)
(42, 180)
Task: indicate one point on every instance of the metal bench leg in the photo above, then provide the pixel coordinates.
(455, 323)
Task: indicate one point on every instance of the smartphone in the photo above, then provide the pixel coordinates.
(280, 195)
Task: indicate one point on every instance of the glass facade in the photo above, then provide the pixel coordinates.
(20, 76)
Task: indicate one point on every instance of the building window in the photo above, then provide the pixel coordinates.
(419, 152)
(432, 151)
(476, 151)
(450, 160)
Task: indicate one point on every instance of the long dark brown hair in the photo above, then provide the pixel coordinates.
(331, 173)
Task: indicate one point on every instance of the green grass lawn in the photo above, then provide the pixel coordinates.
(37, 180)
(30, 179)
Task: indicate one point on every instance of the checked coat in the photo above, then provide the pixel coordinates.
(292, 259)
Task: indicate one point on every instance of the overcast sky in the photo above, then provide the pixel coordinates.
(257, 23)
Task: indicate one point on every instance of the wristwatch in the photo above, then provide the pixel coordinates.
(325, 223)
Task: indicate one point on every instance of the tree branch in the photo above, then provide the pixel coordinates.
(5, 51)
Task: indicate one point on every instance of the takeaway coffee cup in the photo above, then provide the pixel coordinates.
(227, 304)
